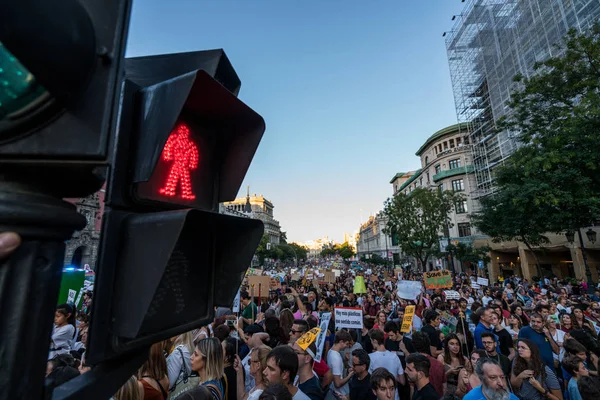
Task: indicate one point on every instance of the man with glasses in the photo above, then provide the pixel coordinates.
(307, 381)
(490, 346)
(299, 328)
(493, 382)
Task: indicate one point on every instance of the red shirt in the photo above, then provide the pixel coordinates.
(437, 376)
(320, 367)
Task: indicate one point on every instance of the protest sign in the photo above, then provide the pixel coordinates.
(348, 317)
(409, 313)
(259, 284)
(447, 319)
(409, 290)
(452, 294)
(475, 285)
(438, 279)
(325, 318)
(236, 302)
(483, 281)
(275, 284)
(398, 273)
(329, 276)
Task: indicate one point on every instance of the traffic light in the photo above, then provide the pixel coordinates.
(59, 69)
(167, 257)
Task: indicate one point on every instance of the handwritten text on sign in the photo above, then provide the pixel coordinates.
(438, 279)
(346, 317)
(409, 312)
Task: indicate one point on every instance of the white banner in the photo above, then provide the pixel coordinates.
(475, 285)
(325, 318)
(348, 317)
(483, 281)
(409, 290)
(452, 294)
(236, 302)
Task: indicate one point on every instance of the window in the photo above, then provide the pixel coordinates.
(421, 181)
(461, 207)
(428, 180)
(438, 169)
(454, 163)
(464, 229)
(458, 185)
(441, 187)
(451, 143)
(426, 160)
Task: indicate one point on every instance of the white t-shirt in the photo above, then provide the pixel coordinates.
(559, 336)
(61, 340)
(250, 382)
(300, 395)
(336, 365)
(388, 360)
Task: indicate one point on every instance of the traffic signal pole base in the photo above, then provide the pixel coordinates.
(29, 284)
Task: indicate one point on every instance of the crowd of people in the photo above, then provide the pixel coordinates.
(523, 339)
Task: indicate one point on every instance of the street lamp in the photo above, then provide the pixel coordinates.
(591, 235)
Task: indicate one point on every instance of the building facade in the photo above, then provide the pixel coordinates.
(260, 208)
(372, 240)
(82, 248)
(490, 43)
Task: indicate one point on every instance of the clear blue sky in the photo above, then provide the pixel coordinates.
(349, 89)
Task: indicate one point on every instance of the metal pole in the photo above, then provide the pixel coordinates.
(588, 273)
(29, 284)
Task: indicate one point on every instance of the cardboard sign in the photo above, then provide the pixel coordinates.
(483, 281)
(438, 279)
(409, 313)
(275, 284)
(409, 290)
(348, 317)
(398, 273)
(329, 276)
(295, 277)
(374, 278)
(256, 283)
(325, 318)
(452, 294)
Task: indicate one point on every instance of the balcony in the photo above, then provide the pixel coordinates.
(453, 172)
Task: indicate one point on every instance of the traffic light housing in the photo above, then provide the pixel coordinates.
(60, 63)
(167, 256)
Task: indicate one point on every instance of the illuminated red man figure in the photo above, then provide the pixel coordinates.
(183, 152)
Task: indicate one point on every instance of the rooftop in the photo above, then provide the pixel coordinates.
(446, 131)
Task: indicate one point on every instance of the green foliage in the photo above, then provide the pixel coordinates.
(469, 255)
(262, 250)
(418, 217)
(346, 251)
(374, 259)
(557, 115)
(301, 251)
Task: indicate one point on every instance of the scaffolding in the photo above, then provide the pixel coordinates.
(491, 42)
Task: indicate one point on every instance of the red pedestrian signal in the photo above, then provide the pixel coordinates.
(182, 153)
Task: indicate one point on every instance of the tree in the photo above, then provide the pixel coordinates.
(556, 113)
(469, 255)
(418, 217)
(283, 238)
(262, 251)
(512, 213)
(301, 251)
(346, 251)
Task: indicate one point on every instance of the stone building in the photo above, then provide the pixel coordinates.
(260, 208)
(83, 247)
(373, 241)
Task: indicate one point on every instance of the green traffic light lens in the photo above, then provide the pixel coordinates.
(18, 87)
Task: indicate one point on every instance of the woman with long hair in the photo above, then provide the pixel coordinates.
(566, 323)
(453, 361)
(531, 379)
(153, 374)
(467, 378)
(178, 362)
(380, 320)
(131, 390)
(258, 363)
(207, 360)
(517, 309)
(579, 322)
(286, 319)
(514, 326)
